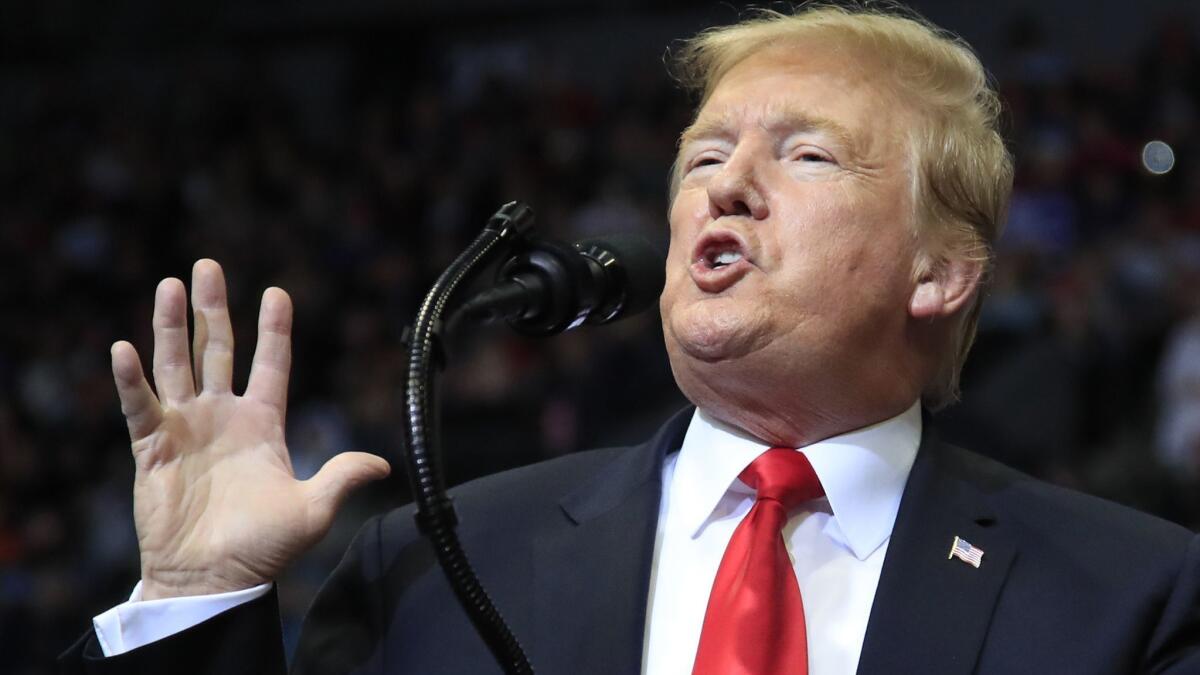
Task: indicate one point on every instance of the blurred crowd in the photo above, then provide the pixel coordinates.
(351, 174)
(1087, 366)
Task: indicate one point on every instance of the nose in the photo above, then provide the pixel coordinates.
(736, 189)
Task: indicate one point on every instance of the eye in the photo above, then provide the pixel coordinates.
(702, 160)
(811, 154)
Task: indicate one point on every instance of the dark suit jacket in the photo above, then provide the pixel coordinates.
(1068, 584)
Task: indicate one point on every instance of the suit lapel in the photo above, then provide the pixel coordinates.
(931, 613)
(592, 572)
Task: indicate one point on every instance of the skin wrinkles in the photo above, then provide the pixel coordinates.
(816, 338)
(782, 120)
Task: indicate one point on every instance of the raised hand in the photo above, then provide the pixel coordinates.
(216, 505)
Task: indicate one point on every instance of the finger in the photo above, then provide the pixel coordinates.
(172, 366)
(340, 476)
(273, 352)
(139, 405)
(212, 346)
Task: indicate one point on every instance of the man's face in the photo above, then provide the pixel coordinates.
(791, 233)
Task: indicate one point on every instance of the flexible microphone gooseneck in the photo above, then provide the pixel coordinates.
(434, 515)
(545, 288)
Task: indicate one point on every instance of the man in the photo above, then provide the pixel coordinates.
(833, 207)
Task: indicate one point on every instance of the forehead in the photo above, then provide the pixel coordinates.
(801, 88)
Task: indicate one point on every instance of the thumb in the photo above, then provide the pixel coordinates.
(339, 476)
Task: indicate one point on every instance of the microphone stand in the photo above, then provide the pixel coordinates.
(435, 516)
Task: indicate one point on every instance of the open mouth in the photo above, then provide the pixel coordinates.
(720, 260)
(719, 257)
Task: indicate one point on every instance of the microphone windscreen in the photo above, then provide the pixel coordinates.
(644, 267)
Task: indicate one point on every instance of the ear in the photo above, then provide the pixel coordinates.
(947, 286)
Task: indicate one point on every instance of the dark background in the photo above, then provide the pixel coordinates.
(346, 151)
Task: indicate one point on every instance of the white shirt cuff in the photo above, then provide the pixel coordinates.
(136, 622)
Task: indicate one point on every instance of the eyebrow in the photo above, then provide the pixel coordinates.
(786, 118)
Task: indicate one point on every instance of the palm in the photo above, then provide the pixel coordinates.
(216, 505)
(206, 469)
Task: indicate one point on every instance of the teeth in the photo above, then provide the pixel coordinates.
(727, 258)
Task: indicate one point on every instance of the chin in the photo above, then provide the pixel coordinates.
(709, 332)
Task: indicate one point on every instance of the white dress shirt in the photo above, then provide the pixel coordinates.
(837, 543)
(138, 622)
(837, 547)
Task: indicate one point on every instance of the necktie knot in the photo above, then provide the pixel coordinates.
(784, 475)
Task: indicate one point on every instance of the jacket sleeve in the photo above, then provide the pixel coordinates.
(1175, 644)
(340, 634)
(245, 640)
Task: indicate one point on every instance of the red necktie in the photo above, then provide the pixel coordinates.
(754, 624)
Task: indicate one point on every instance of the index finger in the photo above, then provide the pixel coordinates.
(273, 351)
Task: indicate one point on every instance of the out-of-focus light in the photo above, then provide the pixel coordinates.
(1158, 157)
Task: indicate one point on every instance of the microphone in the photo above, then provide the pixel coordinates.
(548, 287)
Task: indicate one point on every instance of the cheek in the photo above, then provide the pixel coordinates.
(677, 223)
(822, 244)
(677, 251)
(687, 216)
(690, 208)
(838, 249)
(876, 274)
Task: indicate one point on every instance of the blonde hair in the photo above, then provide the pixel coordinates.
(962, 172)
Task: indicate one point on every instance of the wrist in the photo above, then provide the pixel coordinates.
(159, 586)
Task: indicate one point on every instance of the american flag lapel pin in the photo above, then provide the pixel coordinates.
(964, 551)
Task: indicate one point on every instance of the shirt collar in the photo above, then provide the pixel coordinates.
(863, 473)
